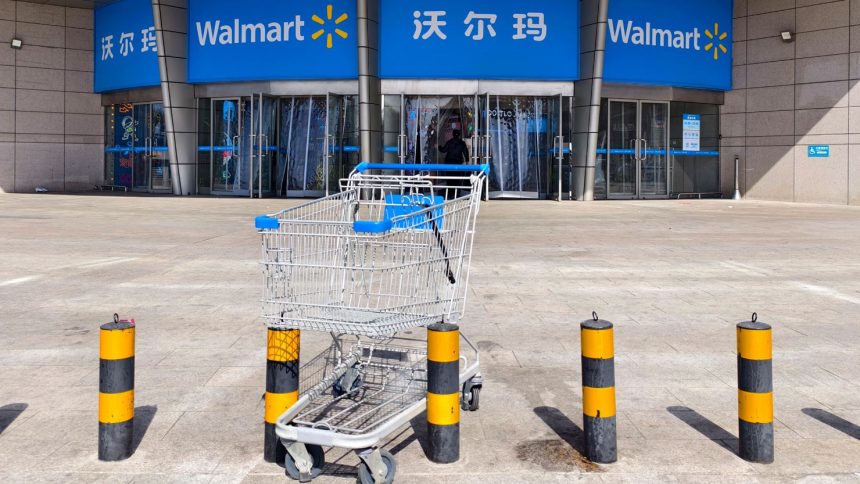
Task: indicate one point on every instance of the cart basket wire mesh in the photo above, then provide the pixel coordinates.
(387, 253)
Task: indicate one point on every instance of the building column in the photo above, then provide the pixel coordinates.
(180, 109)
(587, 91)
(369, 87)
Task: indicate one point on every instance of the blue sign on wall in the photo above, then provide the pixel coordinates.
(498, 39)
(671, 42)
(125, 53)
(271, 39)
(819, 151)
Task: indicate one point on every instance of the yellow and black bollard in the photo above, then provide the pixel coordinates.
(598, 390)
(282, 385)
(116, 389)
(443, 392)
(755, 390)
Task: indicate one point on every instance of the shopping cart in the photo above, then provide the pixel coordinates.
(389, 253)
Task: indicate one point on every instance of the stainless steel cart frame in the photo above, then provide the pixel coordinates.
(389, 253)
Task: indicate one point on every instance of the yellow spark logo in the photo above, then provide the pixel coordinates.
(319, 33)
(718, 38)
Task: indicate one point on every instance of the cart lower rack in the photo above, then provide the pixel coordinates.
(355, 394)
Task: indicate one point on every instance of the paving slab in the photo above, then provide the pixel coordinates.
(674, 277)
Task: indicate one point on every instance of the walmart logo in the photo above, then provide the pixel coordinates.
(718, 38)
(629, 32)
(319, 33)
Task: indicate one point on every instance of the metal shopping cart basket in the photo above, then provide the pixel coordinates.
(389, 253)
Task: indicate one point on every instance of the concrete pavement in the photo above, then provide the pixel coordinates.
(674, 277)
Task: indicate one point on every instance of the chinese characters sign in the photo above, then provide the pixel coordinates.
(126, 55)
(692, 131)
(671, 42)
(271, 39)
(500, 39)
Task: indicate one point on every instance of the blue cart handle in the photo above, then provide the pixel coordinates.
(364, 166)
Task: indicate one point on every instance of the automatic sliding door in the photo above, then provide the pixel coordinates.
(622, 149)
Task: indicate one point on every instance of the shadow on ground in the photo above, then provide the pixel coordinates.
(8, 414)
(835, 421)
(142, 420)
(706, 427)
(563, 454)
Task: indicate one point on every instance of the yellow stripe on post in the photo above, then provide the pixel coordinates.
(116, 407)
(443, 346)
(755, 407)
(116, 344)
(598, 343)
(283, 345)
(598, 402)
(755, 344)
(443, 409)
(278, 403)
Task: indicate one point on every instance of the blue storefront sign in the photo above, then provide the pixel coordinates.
(671, 42)
(125, 53)
(271, 39)
(480, 39)
(819, 151)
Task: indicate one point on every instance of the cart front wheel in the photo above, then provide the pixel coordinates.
(317, 457)
(471, 400)
(365, 475)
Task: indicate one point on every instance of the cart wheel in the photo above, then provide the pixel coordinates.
(317, 456)
(471, 399)
(350, 382)
(365, 476)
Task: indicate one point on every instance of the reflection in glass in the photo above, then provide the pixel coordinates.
(225, 176)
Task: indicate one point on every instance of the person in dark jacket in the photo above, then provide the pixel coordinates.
(456, 153)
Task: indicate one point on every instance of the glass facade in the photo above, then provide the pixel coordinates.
(136, 155)
(642, 153)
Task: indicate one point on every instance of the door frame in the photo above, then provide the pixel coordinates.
(638, 154)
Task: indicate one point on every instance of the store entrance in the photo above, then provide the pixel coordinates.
(318, 144)
(136, 155)
(243, 145)
(637, 149)
(520, 137)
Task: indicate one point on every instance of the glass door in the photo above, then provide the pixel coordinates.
(343, 139)
(623, 149)
(637, 149)
(558, 185)
(395, 139)
(141, 167)
(521, 137)
(159, 159)
(653, 150)
(262, 143)
(302, 159)
(227, 172)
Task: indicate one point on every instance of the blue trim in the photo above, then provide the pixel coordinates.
(371, 227)
(265, 222)
(390, 149)
(695, 153)
(364, 166)
(602, 151)
(136, 149)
